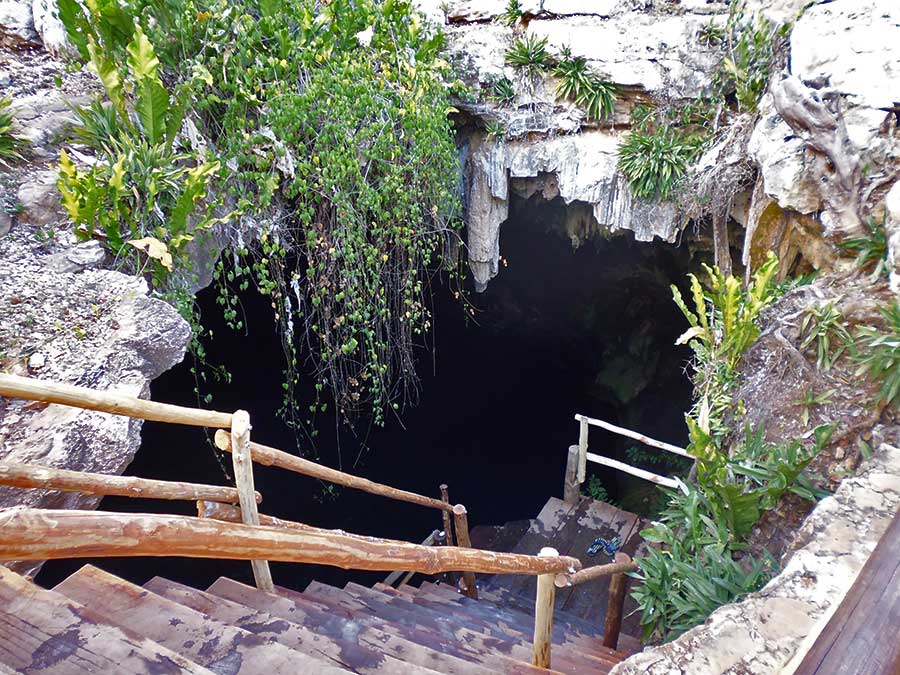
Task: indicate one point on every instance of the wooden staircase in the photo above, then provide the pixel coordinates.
(94, 622)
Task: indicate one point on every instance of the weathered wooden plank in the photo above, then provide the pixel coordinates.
(49, 478)
(36, 534)
(633, 470)
(459, 627)
(32, 389)
(543, 614)
(218, 646)
(267, 456)
(243, 478)
(375, 632)
(47, 633)
(317, 641)
(861, 636)
(461, 524)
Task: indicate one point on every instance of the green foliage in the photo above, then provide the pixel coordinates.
(878, 354)
(654, 162)
(585, 88)
(511, 14)
(10, 145)
(495, 129)
(530, 55)
(723, 324)
(712, 34)
(369, 188)
(658, 460)
(596, 490)
(503, 91)
(142, 194)
(812, 400)
(107, 24)
(870, 249)
(820, 326)
(693, 570)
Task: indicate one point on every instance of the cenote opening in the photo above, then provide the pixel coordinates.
(559, 331)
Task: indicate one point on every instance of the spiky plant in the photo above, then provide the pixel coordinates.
(10, 145)
(495, 129)
(599, 99)
(503, 92)
(879, 354)
(530, 55)
(574, 76)
(654, 162)
(511, 14)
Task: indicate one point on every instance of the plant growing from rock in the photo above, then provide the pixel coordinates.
(511, 13)
(529, 54)
(577, 83)
(10, 144)
(870, 250)
(654, 160)
(821, 325)
(878, 354)
(495, 130)
(503, 91)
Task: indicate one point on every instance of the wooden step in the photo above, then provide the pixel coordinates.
(376, 633)
(316, 642)
(218, 646)
(420, 629)
(461, 626)
(516, 624)
(44, 632)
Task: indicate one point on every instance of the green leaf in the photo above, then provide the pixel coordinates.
(142, 58)
(106, 70)
(153, 109)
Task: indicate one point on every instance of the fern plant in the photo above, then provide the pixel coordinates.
(10, 145)
(530, 55)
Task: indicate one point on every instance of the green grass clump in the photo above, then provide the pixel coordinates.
(530, 55)
(577, 83)
(655, 161)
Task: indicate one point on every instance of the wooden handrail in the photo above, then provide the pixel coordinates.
(595, 572)
(646, 440)
(34, 476)
(633, 470)
(40, 534)
(263, 454)
(109, 401)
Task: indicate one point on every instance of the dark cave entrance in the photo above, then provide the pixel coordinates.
(559, 331)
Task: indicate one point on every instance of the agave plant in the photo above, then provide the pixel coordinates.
(585, 88)
(503, 91)
(530, 55)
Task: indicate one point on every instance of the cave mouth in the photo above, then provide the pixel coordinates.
(559, 331)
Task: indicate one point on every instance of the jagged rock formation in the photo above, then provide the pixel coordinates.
(549, 147)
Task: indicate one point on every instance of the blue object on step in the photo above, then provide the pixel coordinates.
(598, 544)
(609, 546)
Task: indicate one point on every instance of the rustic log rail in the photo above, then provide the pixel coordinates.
(41, 534)
(222, 530)
(263, 454)
(576, 463)
(34, 476)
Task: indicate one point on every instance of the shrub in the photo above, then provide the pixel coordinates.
(654, 162)
(530, 55)
(10, 145)
(870, 249)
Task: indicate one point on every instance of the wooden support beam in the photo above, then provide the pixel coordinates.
(243, 477)
(267, 456)
(43, 534)
(616, 605)
(646, 440)
(582, 450)
(13, 386)
(462, 539)
(445, 514)
(571, 486)
(633, 470)
(543, 614)
(595, 572)
(34, 476)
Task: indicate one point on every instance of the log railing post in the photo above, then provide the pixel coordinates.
(543, 614)
(615, 606)
(445, 497)
(243, 477)
(571, 486)
(582, 449)
(462, 539)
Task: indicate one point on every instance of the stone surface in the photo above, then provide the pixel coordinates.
(96, 328)
(848, 53)
(39, 199)
(51, 29)
(16, 19)
(892, 229)
(578, 168)
(769, 631)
